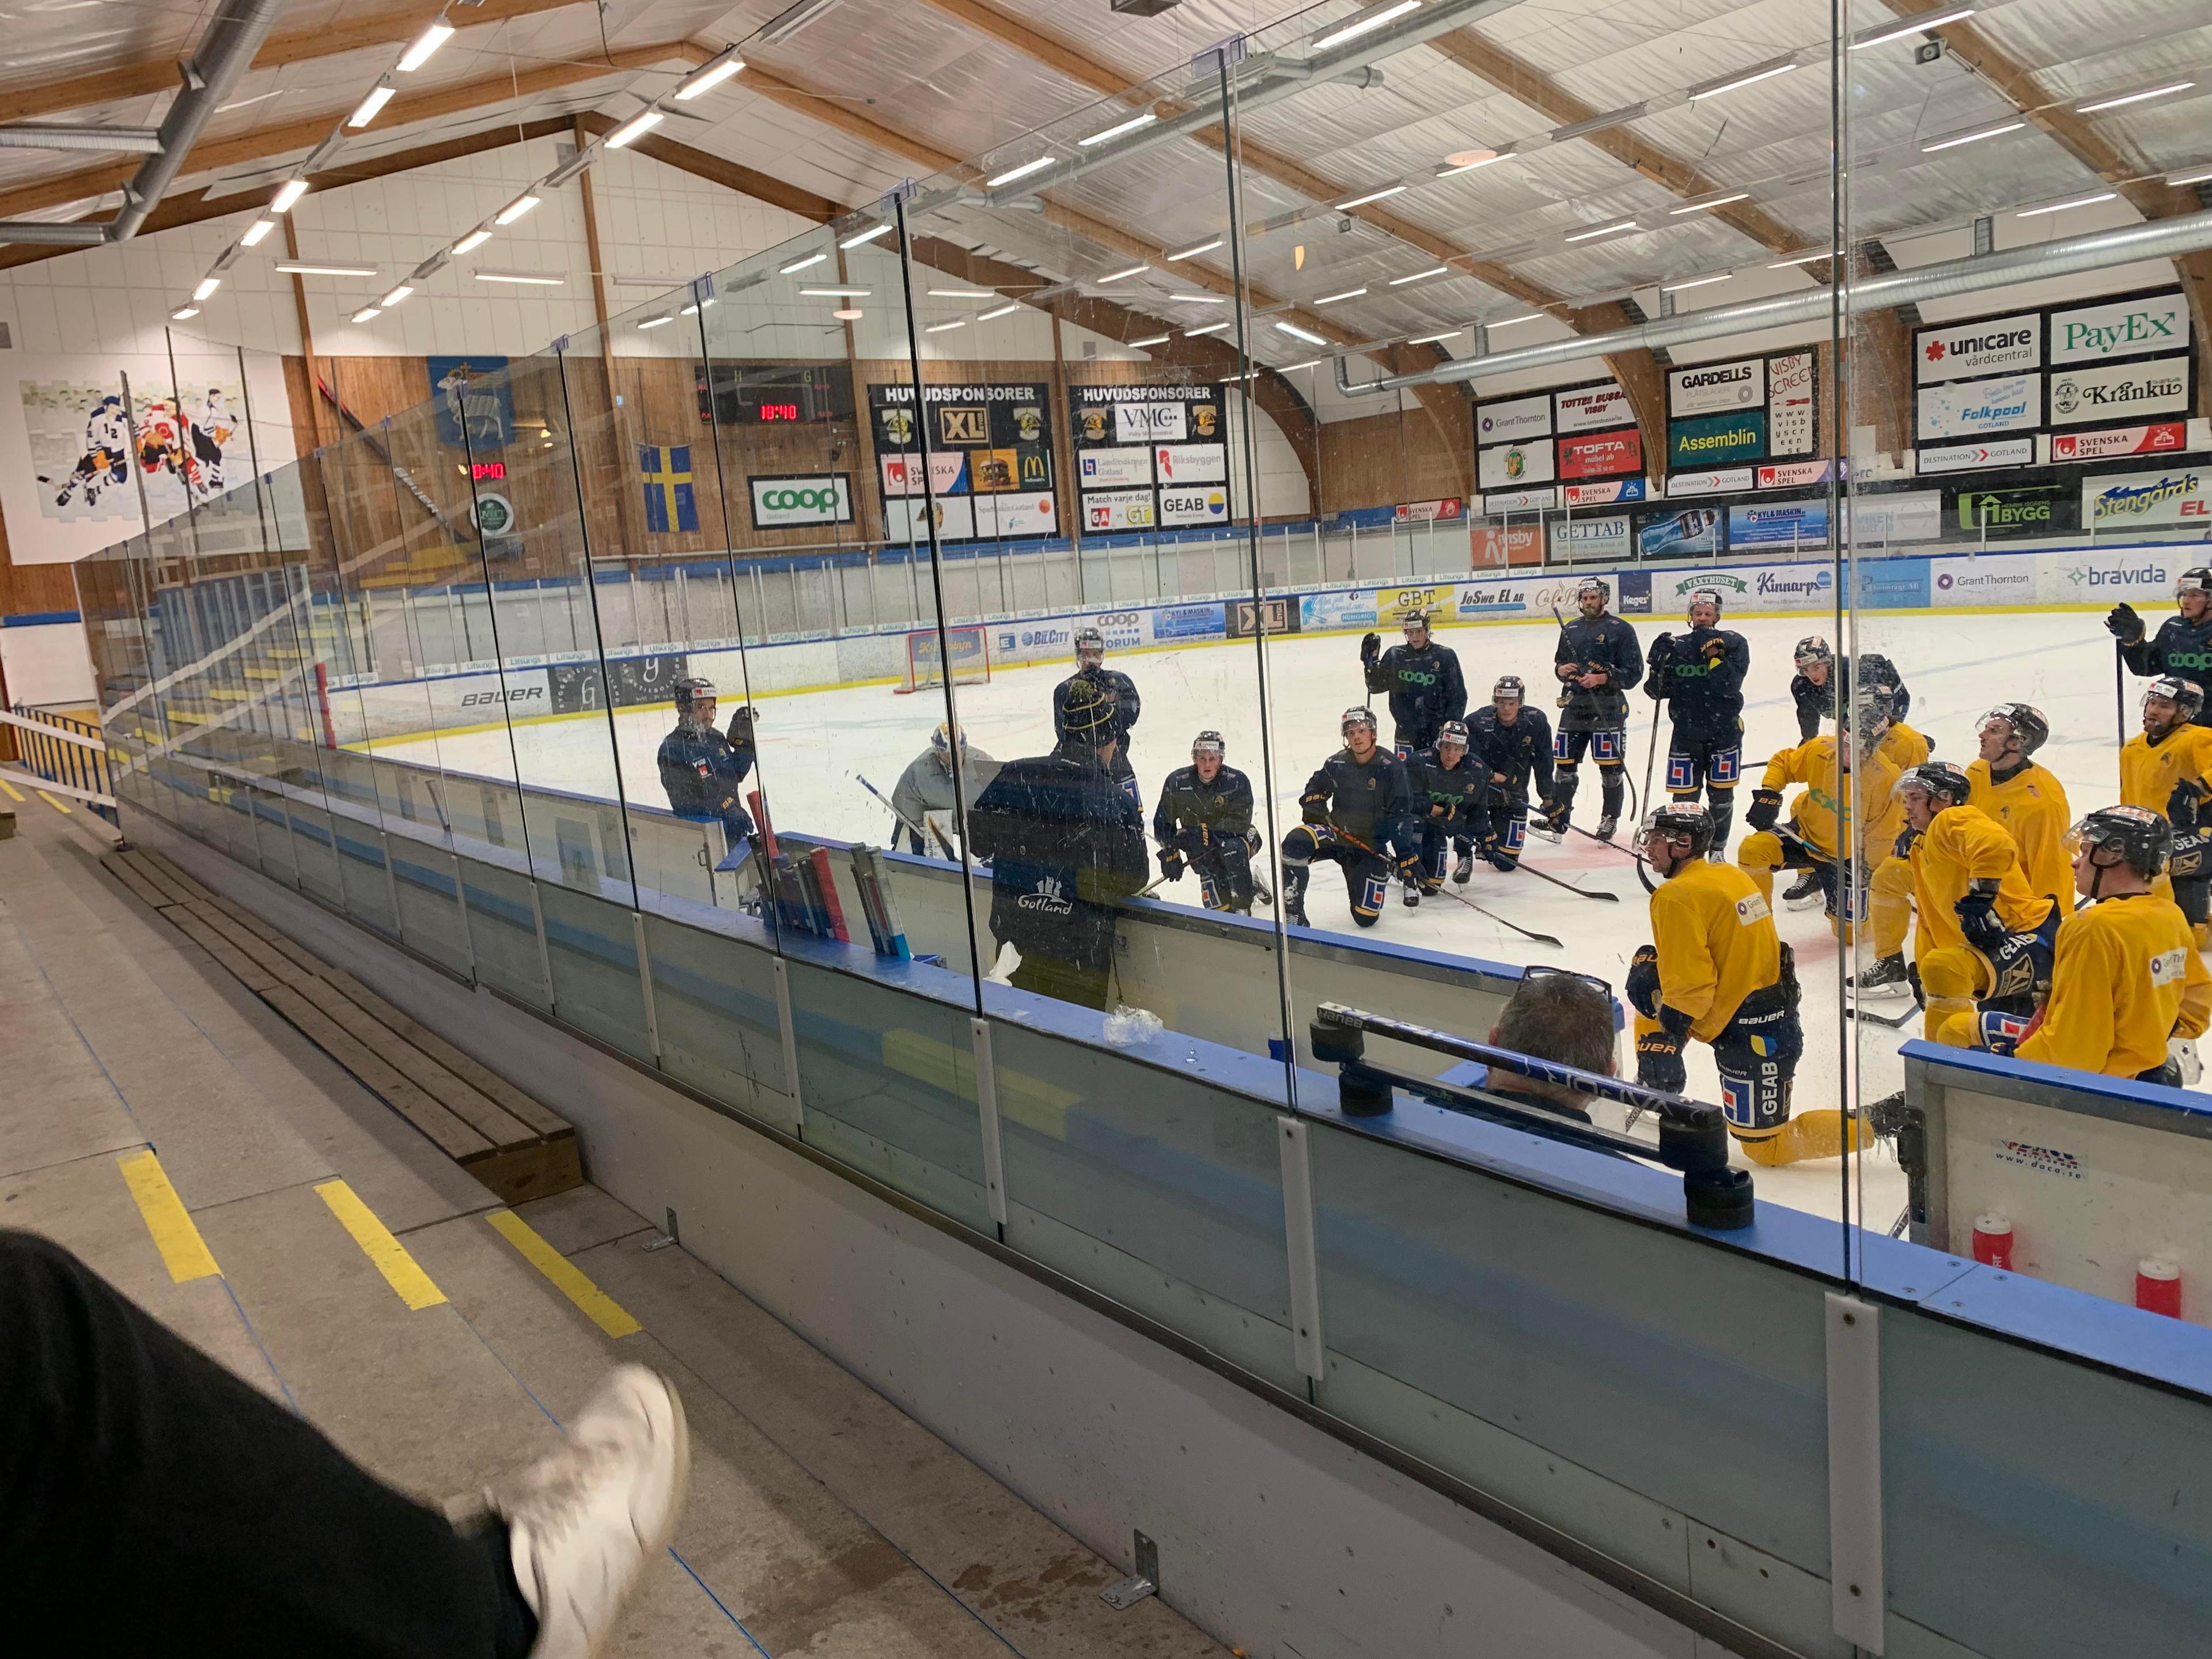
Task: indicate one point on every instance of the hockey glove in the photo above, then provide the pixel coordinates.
(1500, 860)
(1409, 870)
(741, 727)
(2184, 807)
(1642, 986)
(1659, 1062)
(1371, 647)
(1171, 864)
(1907, 838)
(1978, 916)
(1765, 808)
(1554, 816)
(1661, 657)
(2126, 627)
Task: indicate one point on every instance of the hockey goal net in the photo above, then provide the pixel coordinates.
(968, 647)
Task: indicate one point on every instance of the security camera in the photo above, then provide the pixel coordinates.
(1929, 51)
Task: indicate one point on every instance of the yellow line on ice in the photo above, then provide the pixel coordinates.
(183, 1250)
(54, 801)
(569, 1278)
(390, 1256)
(14, 793)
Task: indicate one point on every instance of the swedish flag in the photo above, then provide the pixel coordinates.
(666, 472)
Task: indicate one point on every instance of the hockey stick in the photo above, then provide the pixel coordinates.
(922, 837)
(1873, 1018)
(1525, 932)
(2120, 690)
(1650, 754)
(1580, 892)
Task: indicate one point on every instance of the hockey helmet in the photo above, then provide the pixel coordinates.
(1209, 743)
(1509, 685)
(1089, 645)
(1417, 621)
(1452, 732)
(1705, 596)
(2142, 839)
(2198, 580)
(942, 739)
(2023, 720)
(1813, 648)
(1590, 585)
(2185, 694)
(1941, 780)
(691, 691)
(1681, 824)
(1353, 717)
(1871, 712)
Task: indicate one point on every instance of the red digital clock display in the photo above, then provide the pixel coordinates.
(488, 472)
(779, 411)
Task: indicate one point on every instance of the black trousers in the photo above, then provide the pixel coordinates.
(150, 1500)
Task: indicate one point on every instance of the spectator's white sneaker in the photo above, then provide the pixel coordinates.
(584, 1522)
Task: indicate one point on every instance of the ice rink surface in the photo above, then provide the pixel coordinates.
(815, 746)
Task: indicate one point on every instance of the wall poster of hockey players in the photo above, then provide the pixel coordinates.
(74, 460)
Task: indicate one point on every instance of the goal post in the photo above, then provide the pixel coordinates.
(968, 647)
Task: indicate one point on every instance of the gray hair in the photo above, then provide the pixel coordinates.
(1555, 1017)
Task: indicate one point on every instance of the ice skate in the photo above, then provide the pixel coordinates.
(1463, 869)
(1607, 825)
(1885, 979)
(1805, 892)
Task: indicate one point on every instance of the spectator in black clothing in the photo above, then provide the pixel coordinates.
(704, 772)
(1423, 682)
(1699, 677)
(1120, 688)
(1204, 822)
(1514, 742)
(2183, 644)
(1597, 661)
(1355, 816)
(1450, 793)
(1064, 843)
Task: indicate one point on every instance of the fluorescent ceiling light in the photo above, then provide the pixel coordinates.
(1192, 252)
(366, 313)
(1694, 282)
(2061, 207)
(1133, 270)
(365, 111)
(792, 19)
(1298, 333)
(396, 295)
(708, 77)
(179, 316)
(293, 268)
(1707, 207)
(1020, 172)
(518, 277)
(801, 265)
(1432, 339)
(1603, 230)
(256, 231)
(1973, 137)
(1365, 23)
(1003, 310)
(2192, 176)
(1211, 328)
(1885, 33)
(868, 235)
(1420, 275)
(962, 294)
(1467, 160)
(636, 128)
(1151, 340)
(425, 44)
(1515, 322)
(208, 286)
(287, 194)
(1129, 125)
(848, 316)
(1742, 81)
(2166, 91)
(1331, 298)
(515, 210)
(1372, 196)
(655, 322)
(835, 293)
(1803, 258)
(1199, 299)
(940, 328)
(1310, 362)
(474, 239)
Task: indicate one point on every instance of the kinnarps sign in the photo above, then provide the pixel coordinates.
(816, 498)
(1712, 440)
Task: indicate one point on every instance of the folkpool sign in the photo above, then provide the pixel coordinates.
(814, 498)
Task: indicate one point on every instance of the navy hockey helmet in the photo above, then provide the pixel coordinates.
(1509, 685)
(1590, 585)
(1417, 622)
(1680, 825)
(2198, 580)
(2023, 720)
(1452, 732)
(2136, 836)
(691, 691)
(1089, 645)
(1813, 648)
(2186, 695)
(1705, 596)
(1357, 716)
(1939, 780)
(1209, 743)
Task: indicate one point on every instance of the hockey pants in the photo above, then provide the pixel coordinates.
(1224, 869)
(1434, 838)
(1608, 749)
(1763, 852)
(1715, 768)
(1509, 818)
(1366, 877)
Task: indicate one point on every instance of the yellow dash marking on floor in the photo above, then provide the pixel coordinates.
(183, 1250)
(602, 1309)
(14, 793)
(399, 1269)
(54, 801)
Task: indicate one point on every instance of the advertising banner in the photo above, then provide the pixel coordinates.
(1993, 345)
(1671, 590)
(2120, 328)
(1520, 500)
(906, 519)
(1790, 426)
(1794, 524)
(1900, 584)
(1715, 440)
(799, 499)
(1914, 517)
(1148, 457)
(1966, 458)
(1967, 409)
(1478, 600)
(1318, 612)
(1510, 466)
(1727, 481)
(2039, 509)
(1676, 533)
(1394, 605)
(991, 439)
(2119, 392)
(1198, 504)
(1004, 517)
(1809, 587)
(2000, 579)
(1514, 419)
(1191, 464)
(2138, 575)
(1635, 599)
(1795, 475)
(2177, 495)
(2160, 437)
(1592, 409)
(1114, 469)
(1150, 422)
(1604, 495)
(1278, 614)
(1108, 510)
(1603, 538)
(1430, 512)
(1710, 388)
(1175, 622)
(1605, 455)
(1495, 544)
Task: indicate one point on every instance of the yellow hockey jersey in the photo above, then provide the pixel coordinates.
(1961, 845)
(1826, 802)
(2148, 771)
(1716, 944)
(1903, 747)
(2127, 977)
(2031, 807)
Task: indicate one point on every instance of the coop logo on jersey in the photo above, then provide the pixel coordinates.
(2045, 1160)
(1992, 346)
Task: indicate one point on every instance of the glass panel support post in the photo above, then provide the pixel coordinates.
(544, 956)
(391, 881)
(1301, 1241)
(790, 1034)
(644, 983)
(1855, 1562)
(986, 1118)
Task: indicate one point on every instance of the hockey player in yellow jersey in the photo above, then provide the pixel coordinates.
(2022, 796)
(2164, 769)
(2127, 980)
(1822, 812)
(1717, 971)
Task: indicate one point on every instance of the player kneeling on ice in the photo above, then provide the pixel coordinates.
(1598, 662)
(2022, 796)
(1357, 815)
(1449, 793)
(1813, 689)
(1821, 825)
(2166, 768)
(1204, 822)
(704, 772)
(1699, 677)
(1422, 680)
(1120, 690)
(924, 796)
(1718, 972)
(1513, 743)
(1066, 843)
(2183, 645)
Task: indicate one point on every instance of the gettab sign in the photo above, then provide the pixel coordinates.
(2123, 328)
(816, 498)
(2180, 495)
